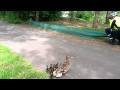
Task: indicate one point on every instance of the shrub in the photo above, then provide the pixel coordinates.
(12, 17)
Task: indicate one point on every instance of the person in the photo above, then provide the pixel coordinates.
(114, 31)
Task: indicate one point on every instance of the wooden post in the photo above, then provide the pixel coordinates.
(30, 20)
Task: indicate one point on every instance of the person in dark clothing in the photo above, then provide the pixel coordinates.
(114, 31)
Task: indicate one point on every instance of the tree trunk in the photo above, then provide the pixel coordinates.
(107, 15)
(95, 22)
(37, 16)
(71, 15)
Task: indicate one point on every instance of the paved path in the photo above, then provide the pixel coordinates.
(91, 59)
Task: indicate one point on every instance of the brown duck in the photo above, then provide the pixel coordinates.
(62, 68)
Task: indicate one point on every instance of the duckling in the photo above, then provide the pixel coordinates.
(51, 74)
(57, 73)
(50, 68)
(56, 66)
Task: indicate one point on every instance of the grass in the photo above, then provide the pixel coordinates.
(13, 66)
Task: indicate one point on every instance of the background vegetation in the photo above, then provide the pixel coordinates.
(88, 16)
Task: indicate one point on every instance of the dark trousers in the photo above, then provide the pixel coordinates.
(110, 33)
(114, 34)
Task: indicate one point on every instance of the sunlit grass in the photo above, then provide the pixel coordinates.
(13, 66)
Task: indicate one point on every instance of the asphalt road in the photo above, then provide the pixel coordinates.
(91, 59)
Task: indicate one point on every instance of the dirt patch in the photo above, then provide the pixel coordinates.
(116, 48)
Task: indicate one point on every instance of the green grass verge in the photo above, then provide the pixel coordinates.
(13, 66)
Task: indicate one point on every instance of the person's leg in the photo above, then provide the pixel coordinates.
(114, 36)
(112, 39)
(110, 35)
(108, 31)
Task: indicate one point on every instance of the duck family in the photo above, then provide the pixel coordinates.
(59, 69)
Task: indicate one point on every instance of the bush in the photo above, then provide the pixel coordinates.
(25, 15)
(102, 17)
(50, 15)
(86, 15)
(18, 16)
(79, 14)
(12, 17)
(54, 15)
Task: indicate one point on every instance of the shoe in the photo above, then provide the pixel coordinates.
(109, 35)
(112, 42)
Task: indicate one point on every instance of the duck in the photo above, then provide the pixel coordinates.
(63, 68)
(58, 72)
(66, 64)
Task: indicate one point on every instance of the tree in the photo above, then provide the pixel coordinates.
(37, 16)
(18, 16)
(71, 15)
(95, 22)
(107, 15)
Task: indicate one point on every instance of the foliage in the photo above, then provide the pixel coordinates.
(102, 17)
(50, 15)
(79, 14)
(86, 15)
(89, 16)
(18, 16)
(25, 15)
(12, 17)
(54, 15)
